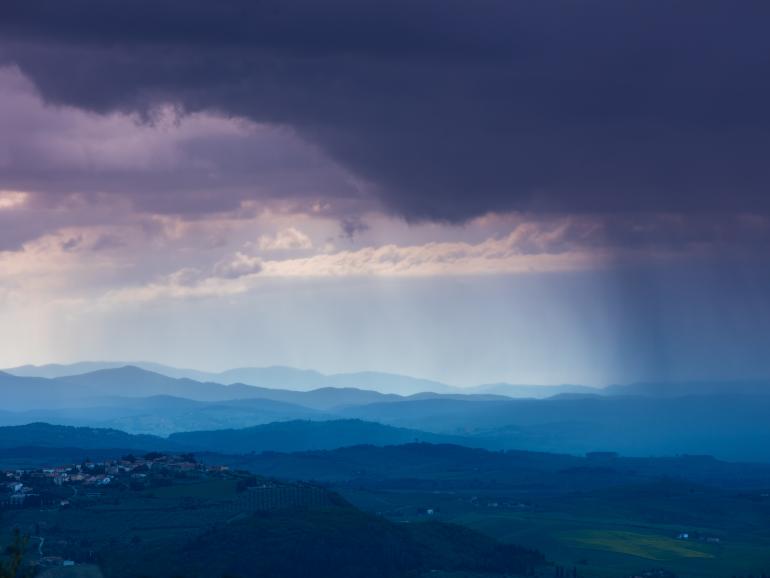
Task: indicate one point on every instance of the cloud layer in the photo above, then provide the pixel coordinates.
(445, 110)
(527, 250)
(59, 163)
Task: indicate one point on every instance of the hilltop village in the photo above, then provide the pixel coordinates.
(69, 513)
(60, 485)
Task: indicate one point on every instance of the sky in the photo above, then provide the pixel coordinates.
(570, 191)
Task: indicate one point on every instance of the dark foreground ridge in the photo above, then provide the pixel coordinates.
(409, 509)
(162, 516)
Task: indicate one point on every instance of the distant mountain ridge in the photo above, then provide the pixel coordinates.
(307, 435)
(275, 377)
(139, 401)
(292, 379)
(281, 436)
(280, 377)
(725, 419)
(25, 393)
(163, 415)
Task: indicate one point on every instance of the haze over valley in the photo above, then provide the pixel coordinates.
(724, 419)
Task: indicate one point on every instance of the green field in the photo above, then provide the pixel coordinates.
(605, 535)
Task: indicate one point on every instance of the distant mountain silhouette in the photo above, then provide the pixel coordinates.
(163, 415)
(726, 419)
(279, 436)
(139, 401)
(275, 377)
(288, 378)
(280, 377)
(54, 370)
(24, 393)
(305, 435)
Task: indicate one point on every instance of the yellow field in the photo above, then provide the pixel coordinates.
(642, 545)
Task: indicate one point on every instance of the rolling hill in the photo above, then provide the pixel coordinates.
(164, 415)
(454, 467)
(732, 427)
(278, 436)
(305, 435)
(43, 435)
(332, 542)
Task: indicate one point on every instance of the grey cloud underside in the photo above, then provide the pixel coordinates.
(448, 109)
(63, 150)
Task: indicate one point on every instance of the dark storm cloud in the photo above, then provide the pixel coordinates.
(448, 108)
(192, 165)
